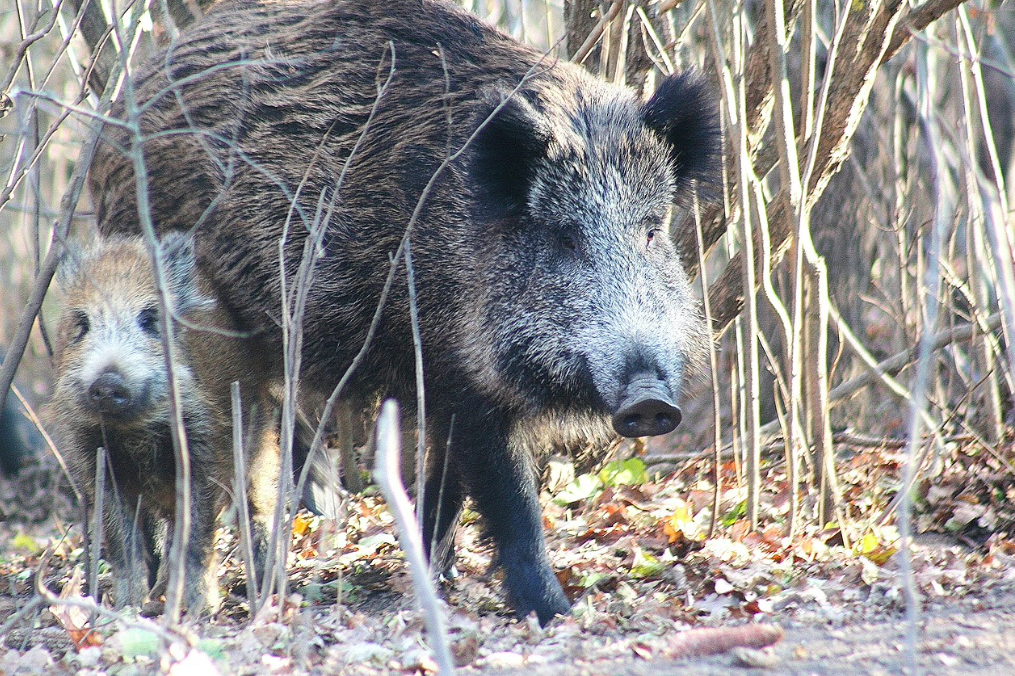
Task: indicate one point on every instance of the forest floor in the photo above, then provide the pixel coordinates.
(631, 549)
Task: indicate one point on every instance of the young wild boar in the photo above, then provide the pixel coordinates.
(551, 301)
(112, 391)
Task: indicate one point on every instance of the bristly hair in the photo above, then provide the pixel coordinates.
(180, 264)
(684, 112)
(506, 152)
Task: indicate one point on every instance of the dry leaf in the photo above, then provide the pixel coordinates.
(75, 619)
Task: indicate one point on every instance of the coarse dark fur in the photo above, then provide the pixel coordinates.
(19, 439)
(548, 287)
(12, 448)
(112, 391)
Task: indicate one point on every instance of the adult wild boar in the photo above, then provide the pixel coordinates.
(551, 302)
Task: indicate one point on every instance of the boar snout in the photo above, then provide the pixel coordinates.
(110, 395)
(646, 409)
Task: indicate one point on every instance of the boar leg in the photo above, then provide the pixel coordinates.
(129, 548)
(502, 483)
(264, 467)
(200, 592)
(442, 507)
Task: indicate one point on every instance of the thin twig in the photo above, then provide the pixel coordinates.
(181, 523)
(597, 32)
(293, 318)
(386, 474)
(396, 260)
(901, 360)
(915, 20)
(417, 346)
(98, 509)
(32, 416)
(240, 498)
(68, 205)
(714, 373)
(88, 603)
(23, 46)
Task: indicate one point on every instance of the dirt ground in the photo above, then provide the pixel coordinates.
(631, 553)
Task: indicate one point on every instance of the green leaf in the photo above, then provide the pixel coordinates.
(368, 547)
(735, 514)
(26, 543)
(324, 592)
(212, 647)
(630, 472)
(584, 487)
(646, 565)
(589, 579)
(137, 642)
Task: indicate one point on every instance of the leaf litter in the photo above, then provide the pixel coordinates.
(630, 548)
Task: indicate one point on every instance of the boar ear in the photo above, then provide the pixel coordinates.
(506, 150)
(70, 264)
(683, 112)
(180, 265)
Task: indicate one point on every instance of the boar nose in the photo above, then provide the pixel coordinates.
(109, 393)
(646, 410)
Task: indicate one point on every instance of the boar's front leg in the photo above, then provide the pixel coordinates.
(502, 483)
(130, 547)
(200, 584)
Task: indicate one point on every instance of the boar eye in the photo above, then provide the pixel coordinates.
(651, 236)
(81, 325)
(148, 320)
(568, 243)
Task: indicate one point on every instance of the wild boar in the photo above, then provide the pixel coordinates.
(112, 391)
(537, 201)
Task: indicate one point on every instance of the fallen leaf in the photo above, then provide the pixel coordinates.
(630, 472)
(712, 641)
(645, 565)
(584, 487)
(135, 642)
(196, 663)
(26, 543)
(722, 586)
(301, 525)
(73, 618)
(763, 658)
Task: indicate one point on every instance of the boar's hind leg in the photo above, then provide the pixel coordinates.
(503, 485)
(264, 467)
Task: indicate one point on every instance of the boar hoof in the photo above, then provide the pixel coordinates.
(537, 590)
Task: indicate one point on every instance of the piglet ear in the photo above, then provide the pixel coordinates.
(513, 139)
(70, 264)
(180, 265)
(684, 113)
(177, 256)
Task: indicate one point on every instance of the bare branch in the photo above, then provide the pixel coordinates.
(915, 20)
(597, 32)
(386, 474)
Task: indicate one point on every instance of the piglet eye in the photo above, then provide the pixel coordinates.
(651, 235)
(148, 320)
(81, 326)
